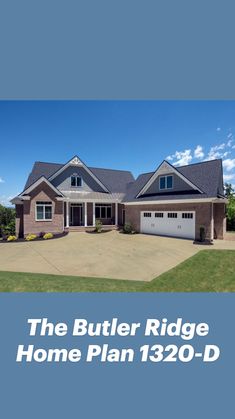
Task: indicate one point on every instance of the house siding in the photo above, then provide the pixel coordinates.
(43, 193)
(63, 180)
(179, 185)
(203, 214)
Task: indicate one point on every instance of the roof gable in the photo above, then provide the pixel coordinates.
(37, 183)
(208, 176)
(114, 180)
(166, 168)
(76, 162)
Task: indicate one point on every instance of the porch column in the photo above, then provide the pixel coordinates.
(116, 213)
(212, 221)
(85, 215)
(67, 214)
(93, 214)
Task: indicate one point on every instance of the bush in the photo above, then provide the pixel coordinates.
(202, 234)
(30, 237)
(98, 226)
(128, 229)
(48, 236)
(7, 221)
(11, 238)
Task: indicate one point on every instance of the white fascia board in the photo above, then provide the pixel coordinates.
(37, 183)
(78, 163)
(100, 200)
(178, 201)
(164, 169)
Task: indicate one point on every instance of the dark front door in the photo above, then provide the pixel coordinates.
(76, 215)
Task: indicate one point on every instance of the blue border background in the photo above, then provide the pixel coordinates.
(107, 49)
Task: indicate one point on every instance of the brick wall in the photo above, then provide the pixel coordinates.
(219, 221)
(43, 193)
(203, 214)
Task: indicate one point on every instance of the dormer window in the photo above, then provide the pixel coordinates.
(166, 182)
(76, 181)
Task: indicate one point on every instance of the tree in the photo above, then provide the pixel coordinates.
(7, 221)
(228, 190)
(230, 211)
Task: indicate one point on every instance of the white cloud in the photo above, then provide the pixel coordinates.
(198, 152)
(169, 158)
(218, 129)
(227, 178)
(5, 200)
(229, 164)
(2, 180)
(183, 158)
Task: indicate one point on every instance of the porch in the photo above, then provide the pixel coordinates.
(81, 215)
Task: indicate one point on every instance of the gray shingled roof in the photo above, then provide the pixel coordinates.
(207, 176)
(114, 180)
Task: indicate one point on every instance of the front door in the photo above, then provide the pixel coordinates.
(76, 215)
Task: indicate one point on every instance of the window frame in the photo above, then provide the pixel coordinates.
(43, 204)
(165, 179)
(172, 214)
(187, 215)
(147, 214)
(76, 181)
(104, 207)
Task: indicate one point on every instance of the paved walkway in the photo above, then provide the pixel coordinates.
(107, 255)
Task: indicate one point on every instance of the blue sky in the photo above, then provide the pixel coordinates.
(131, 135)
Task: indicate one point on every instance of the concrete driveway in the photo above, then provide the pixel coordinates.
(107, 255)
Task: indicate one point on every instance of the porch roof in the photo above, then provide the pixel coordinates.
(94, 196)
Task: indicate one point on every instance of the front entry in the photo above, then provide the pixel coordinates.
(76, 215)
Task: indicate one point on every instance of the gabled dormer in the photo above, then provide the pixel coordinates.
(167, 180)
(75, 176)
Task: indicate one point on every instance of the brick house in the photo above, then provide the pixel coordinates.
(170, 201)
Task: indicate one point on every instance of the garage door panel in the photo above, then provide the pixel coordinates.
(168, 223)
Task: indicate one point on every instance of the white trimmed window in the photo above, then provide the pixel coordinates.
(166, 182)
(147, 215)
(159, 214)
(187, 215)
(103, 211)
(76, 181)
(172, 215)
(43, 211)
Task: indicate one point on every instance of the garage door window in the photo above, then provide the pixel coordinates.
(147, 214)
(159, 214)
(172, 215)
(187, 215)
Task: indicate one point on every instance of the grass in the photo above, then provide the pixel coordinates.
(207, 271)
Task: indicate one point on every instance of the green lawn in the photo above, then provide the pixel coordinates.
(207, 271)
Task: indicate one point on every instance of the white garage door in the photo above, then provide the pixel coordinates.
(168, 223)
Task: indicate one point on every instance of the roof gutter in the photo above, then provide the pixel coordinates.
(178, 201)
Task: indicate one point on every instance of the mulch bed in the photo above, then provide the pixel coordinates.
(55, 236)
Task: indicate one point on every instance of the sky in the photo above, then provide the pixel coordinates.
(128, 135)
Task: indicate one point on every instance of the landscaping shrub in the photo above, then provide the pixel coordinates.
(7, 221)
(98, 226)
(128, 229)
(48, 236)
(30, 237)
(11, 238)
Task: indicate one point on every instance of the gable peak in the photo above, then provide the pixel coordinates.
(76, 161)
